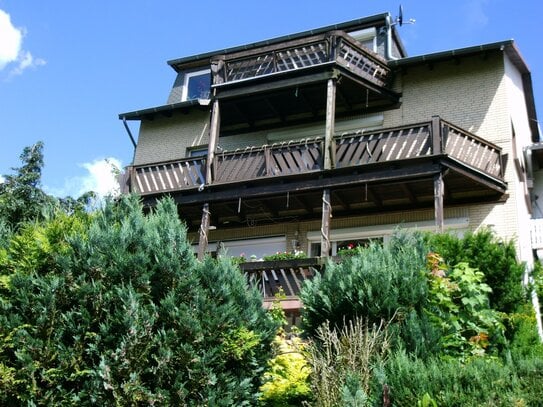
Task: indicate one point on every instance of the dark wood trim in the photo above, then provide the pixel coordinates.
(325, 223)
(228, 192)
(329, 142)
(244, 89)
(204, 232)
(213, 141)
(438, 202)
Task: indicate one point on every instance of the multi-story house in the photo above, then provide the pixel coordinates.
(323, 139)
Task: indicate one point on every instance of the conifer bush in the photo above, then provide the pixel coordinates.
(114, 309)
(381, 283)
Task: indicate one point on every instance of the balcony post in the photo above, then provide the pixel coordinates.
(204, 232)
(437, 144)
(329, 145)
(213, 141)
(325, 223)
(439, 189)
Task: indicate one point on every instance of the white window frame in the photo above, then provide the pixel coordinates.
(186, 81)
(366, 35)
(237, 247)
(456, 225)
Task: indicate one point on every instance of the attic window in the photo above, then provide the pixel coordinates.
(366, 37)
(196, 85)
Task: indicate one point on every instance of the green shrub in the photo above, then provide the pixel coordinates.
(481, 382)
(117, 311)
(495, 258)
(286, 381)
(381, 283)
(342, 363)
(458, 304)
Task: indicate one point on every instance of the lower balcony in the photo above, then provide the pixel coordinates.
(356, 151)
(372, 172)
(284, 277)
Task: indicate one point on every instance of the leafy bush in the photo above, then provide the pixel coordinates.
(286, 380)
(117, 311)
(285, 256)
(495, 258)
(458, 304)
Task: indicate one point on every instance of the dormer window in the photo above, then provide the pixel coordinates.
(366, 37)
(197, 85)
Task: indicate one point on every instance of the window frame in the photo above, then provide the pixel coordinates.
(186, 82)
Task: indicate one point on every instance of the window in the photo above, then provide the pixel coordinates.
(197, 151)
(249, 248)
(361, 236)
(366, 37)
(197, 85)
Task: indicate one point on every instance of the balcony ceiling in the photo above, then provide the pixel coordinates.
(388, 188)
(286, 102)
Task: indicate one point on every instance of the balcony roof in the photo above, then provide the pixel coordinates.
(371, 21)
(165, 110)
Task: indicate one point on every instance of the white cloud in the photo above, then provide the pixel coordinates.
(2, 179)
(475, 13)
(12, 39)
(11, 51)
(101, 178)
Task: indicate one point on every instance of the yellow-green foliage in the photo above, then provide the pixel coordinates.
(286, 381)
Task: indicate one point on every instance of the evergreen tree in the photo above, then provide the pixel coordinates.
(21, 198)
(113, 309)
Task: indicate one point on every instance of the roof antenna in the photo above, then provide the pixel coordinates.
(399, 19)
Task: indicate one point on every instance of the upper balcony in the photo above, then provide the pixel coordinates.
(333, 47)
(286, 82)
(377, 170)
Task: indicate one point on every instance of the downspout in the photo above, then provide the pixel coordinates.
(388, 44)
(129, 132)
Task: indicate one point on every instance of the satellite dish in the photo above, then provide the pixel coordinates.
(399, 20)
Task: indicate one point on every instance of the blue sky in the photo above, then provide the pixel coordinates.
(68, 68)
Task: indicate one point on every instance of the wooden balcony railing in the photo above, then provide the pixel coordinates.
(271, 277)
(167, 176)
(278, 159)
(335, 47)
(472, 150)
(433, 138)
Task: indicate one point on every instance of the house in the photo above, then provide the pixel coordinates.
(327, 138)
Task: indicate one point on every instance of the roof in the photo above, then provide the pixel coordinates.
(508, 47)
(164, 109)
(353, 24)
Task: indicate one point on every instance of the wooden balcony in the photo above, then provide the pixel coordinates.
(355, 151)
(285, 276)
(334, 47)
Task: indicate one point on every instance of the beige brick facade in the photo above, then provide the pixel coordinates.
(470, 92)
(168, 138)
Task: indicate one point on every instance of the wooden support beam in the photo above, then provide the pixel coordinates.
(437, 146)
(329, 144)
(325, 224)
(438, 201)
(213, 141)
(204, 232)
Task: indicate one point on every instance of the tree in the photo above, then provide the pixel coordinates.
(112, 308)
(21, 198)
